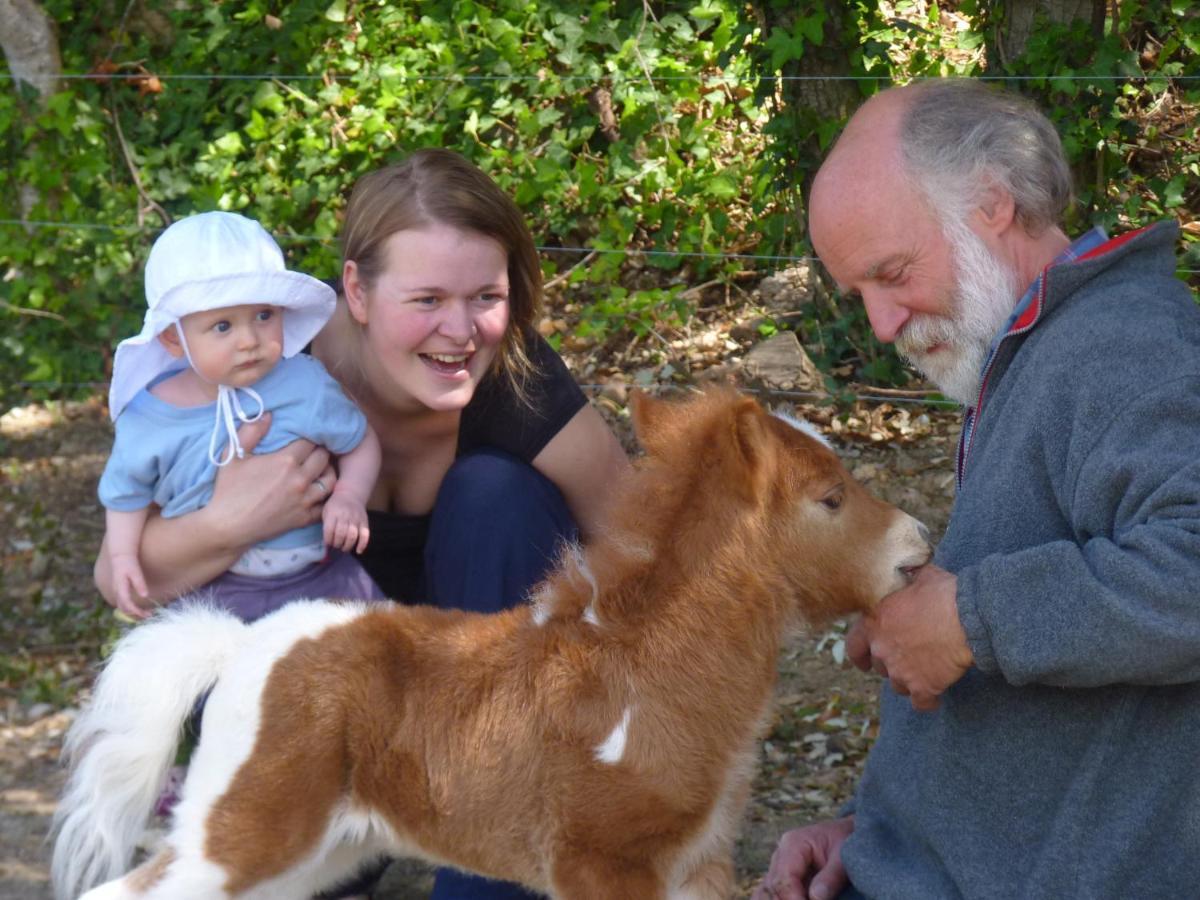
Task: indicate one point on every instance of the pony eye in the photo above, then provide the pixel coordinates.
(833, 500)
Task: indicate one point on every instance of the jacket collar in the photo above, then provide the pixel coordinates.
(1087, 255)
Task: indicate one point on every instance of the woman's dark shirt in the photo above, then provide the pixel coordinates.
(495, 417)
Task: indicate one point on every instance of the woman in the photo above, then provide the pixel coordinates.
(491, 454)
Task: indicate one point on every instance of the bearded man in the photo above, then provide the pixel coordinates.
(1040, 726)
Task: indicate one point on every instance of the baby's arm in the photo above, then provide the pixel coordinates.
(345, 513)
(123, 537)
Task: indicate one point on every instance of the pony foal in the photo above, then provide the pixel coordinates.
(596, 743)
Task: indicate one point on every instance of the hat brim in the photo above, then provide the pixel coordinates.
(140, 359)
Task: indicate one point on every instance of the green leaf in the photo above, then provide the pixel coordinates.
(721, 187)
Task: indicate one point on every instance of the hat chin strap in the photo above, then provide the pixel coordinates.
(229, 412)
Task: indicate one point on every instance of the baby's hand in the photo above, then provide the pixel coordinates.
(128, 578)
(345, 523)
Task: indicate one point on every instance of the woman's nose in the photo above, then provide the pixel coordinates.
(457, 322)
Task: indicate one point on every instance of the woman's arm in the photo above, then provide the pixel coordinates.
(254, 498)
(583, 460)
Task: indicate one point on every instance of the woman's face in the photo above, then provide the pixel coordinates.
(435, 317)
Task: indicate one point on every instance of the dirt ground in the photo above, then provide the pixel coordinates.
(54, 628)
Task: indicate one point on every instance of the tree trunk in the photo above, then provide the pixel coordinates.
(810, 91)
(30, 44)
(1016, 21)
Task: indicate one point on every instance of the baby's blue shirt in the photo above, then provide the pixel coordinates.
(160, 454)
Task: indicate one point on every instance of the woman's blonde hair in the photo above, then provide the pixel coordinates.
(440, 187)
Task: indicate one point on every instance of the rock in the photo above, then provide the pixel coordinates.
(788, 289)
(780, 362)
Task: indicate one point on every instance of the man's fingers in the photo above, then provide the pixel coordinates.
(828, 882)
(925, 702)
(858, 646)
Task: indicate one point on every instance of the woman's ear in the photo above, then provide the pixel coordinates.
(355, 292)
(169, 338)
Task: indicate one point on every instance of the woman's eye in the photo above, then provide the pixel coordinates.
(493, 298)
(426, 301)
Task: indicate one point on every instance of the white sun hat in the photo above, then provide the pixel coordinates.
(210, 261)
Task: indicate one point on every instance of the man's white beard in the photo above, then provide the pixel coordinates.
(986, 291)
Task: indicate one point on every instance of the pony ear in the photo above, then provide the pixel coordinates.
(747, 449)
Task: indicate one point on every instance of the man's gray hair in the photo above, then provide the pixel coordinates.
(959, 136)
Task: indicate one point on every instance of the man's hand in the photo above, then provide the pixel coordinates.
(914, 638)
(807, 864)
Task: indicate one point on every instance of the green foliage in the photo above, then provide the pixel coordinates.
(1124, 103)
(680, 131)
(518, 87)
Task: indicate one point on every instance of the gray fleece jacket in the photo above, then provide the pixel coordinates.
(1066, 762)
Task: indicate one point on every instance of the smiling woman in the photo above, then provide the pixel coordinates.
(491, 455)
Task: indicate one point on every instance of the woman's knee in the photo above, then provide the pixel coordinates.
(496, 528)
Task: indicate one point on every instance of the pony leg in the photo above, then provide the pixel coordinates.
(592, 878)
(147, 881)
(711, 880)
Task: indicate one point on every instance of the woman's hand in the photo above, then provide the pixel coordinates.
(262, 495)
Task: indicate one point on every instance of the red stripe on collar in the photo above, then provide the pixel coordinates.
(1032, 311)
(1113, 243)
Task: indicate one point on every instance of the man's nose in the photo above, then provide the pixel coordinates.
(886, 316)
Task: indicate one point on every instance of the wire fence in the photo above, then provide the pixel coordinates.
(621, 251)
(641, 77)
(929, 398)
(383, 74)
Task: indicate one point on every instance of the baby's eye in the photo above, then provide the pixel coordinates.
(264, 315)
(222, 326)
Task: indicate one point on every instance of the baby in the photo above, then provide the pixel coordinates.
(221, 345)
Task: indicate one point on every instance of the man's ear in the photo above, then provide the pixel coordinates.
(354, 291)
(169, 338)
(996, 211)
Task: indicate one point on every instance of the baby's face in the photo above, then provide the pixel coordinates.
(235, 345)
